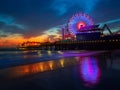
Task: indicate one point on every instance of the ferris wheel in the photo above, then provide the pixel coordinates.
(77, 21)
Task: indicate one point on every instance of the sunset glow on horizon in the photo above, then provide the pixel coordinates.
(14, 40)
(41, 21)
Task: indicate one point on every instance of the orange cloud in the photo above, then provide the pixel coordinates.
(16, 39)
(13, 40)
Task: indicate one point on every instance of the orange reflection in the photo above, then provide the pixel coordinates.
(30, 69)
(62, 62)
(51, 64)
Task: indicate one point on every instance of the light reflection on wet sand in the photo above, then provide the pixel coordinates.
(88, 69)
(43, 66)
(30, 69)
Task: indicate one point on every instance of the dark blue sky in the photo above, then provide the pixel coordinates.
(31, 18)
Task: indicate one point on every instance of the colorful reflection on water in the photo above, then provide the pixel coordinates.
(90, 71)
(30, 69)
(72, 70)
(86, 62)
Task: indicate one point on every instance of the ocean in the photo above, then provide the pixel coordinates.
(59, 70)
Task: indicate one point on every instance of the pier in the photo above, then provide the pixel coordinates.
(80, 33)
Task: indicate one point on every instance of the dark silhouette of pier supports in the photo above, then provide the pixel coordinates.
(101, 44)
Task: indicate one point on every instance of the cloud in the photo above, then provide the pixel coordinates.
(52, 31)
(11, 40)
(114, 24)
(112, 21)
(9, 26)
(10, 21)
(89, 5)
(2, 24)
(62, 6)
(1, 36)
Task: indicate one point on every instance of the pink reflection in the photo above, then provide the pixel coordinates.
(89, 71)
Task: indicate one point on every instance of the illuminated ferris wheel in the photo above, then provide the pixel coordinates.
(78, 21)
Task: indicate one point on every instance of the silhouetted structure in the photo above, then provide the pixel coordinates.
(84, 37)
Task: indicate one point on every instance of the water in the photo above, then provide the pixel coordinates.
(60, 70)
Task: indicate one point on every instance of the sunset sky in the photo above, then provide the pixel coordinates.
(38, 20)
